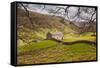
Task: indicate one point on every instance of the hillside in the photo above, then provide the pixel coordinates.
(42, 24)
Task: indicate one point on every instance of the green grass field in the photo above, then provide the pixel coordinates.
(48, 51)
(36, 45)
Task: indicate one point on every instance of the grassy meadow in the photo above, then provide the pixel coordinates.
(34, 48)
(49, 51)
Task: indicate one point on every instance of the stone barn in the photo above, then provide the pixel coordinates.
(55, 35)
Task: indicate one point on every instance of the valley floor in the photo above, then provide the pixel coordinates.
(48, 51)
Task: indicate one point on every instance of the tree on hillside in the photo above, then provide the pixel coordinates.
(25, 7)
(72, 14)
(86, 14)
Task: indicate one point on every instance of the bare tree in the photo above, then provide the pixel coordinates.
(87, 14)
(25, 7)
(83, 13)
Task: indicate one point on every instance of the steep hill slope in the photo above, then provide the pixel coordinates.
(42, 24)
